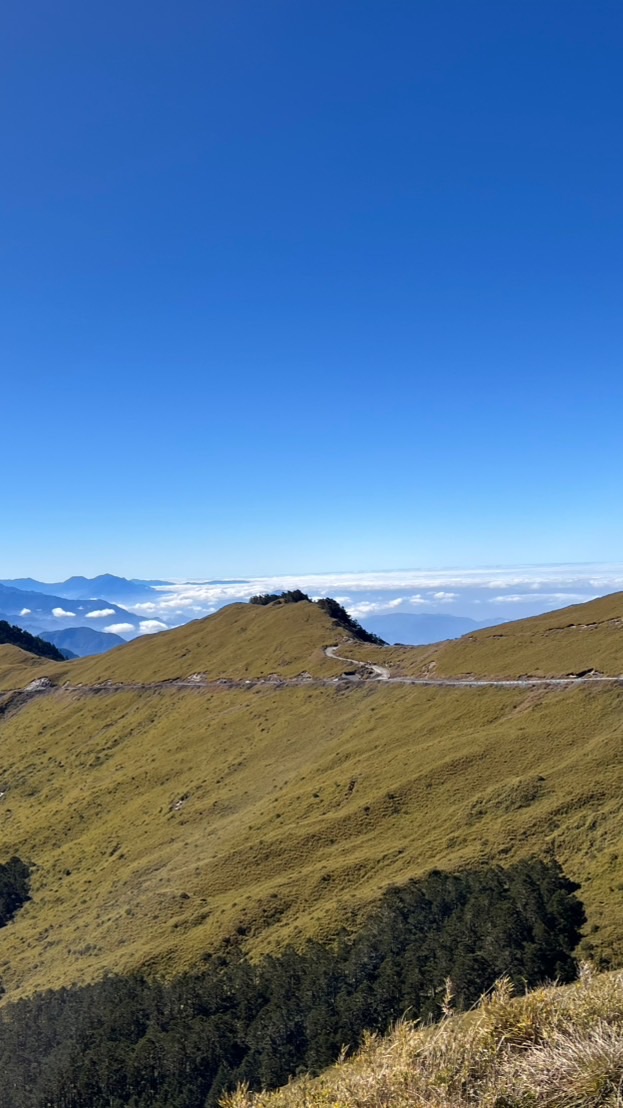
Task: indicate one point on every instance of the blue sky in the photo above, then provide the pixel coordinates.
(291, 287)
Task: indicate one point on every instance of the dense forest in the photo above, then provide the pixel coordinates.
(15, 636)
(14, 888)
(336, 612)
(129, 1041)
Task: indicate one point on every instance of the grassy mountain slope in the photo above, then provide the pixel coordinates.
(572, 640)
(162, 822)
(556, 1047)
(240, 641)
(19, 667)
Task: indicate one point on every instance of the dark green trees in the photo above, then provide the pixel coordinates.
(293, 596)
(14, 888)
(337, 613)
(129, 1041)
(15, 636)
(341, 616)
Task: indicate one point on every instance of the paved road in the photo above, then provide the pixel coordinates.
(384, 674)
(364, 673)
(381, 672)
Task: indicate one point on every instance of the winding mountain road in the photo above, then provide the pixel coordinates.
(364, 673)
(381, 673)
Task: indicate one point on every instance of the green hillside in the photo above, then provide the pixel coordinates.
(161, 822)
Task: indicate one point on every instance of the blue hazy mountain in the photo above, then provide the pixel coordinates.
(37, 612)
(422, 628)
(82, 641)
(118, 589)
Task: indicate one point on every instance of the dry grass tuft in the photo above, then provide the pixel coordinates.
(573, 1069)
(553, 1048)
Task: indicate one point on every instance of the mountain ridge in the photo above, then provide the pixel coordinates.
(577, 639)
(35, 611)
(78, 587)
(83, 641)
(423, 628)
(163, 822)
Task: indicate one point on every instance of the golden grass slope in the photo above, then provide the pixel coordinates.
(245, 641)
(555, 1048)
(18, 667)
(240, 641)
(572, 640)
(161, 823)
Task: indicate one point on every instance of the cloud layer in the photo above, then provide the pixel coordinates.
(150, 626)
(120, 628)
(483, 594)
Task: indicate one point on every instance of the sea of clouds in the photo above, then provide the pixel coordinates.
(483, 594)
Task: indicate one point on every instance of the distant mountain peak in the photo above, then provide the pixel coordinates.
(83, 641)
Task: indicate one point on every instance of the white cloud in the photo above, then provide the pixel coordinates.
(26, 612)
(373, 607)
(100, 613)
(613, 583)
(119, 628)
(558, 599)
(150, 626)
(60, 613)
(366, 608)
(409, 590)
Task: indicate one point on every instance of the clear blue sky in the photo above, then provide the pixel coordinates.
(299, 285)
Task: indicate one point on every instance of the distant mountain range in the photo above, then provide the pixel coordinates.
(82, 641)
(37, 611)
(423, 628)
(118, 589)
(76, 605)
